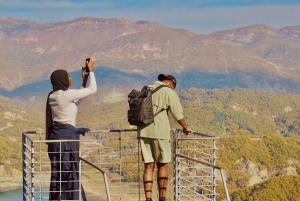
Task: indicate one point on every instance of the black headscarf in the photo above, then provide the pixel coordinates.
(59, 80)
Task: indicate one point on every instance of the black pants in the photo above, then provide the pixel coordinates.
(64, 164)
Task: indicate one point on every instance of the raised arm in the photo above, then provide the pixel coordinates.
(74, 94)
(89, 67)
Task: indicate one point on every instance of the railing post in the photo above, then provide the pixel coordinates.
(24, 165)
(175, 150)
(79, 171)
(139, 180)
(225, 186)
(194, 164)
(120, 161)
(214, 163)
(32, 171)
(106, 186)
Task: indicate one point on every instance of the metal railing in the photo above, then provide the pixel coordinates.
(111, 166)
(194, 167)
(104, 177)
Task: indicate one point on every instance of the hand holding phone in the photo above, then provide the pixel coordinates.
(86, 65)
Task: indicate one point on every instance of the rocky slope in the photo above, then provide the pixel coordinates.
(278, 46)
(29, 51)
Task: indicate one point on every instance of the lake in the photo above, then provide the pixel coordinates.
(13, 195)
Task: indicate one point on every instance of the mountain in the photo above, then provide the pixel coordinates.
(278, 46)
(113, 86)
(30, 51)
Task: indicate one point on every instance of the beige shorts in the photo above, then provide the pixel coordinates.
(155, 150)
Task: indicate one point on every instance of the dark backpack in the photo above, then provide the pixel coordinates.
(140, 111)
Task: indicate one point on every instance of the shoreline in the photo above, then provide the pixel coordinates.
(7, 184)
(7, 189)
(10, 179)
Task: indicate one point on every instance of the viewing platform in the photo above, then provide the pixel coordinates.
(111, 167)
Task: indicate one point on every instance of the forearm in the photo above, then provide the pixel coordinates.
(84, 81)
(182, 123)
(74, 94)
(93, 83)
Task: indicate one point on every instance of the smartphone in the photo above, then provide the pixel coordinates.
(86, 68)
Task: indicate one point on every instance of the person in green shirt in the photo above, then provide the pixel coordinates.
(155, 138)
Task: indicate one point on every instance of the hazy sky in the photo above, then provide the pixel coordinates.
(198, 16)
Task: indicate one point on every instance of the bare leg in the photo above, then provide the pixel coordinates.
(162, 179)
(148, 179)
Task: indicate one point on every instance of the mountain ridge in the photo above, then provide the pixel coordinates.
(31, 51)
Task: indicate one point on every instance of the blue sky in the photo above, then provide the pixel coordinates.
(198, 16)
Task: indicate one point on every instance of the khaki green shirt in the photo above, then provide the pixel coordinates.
(164, 98)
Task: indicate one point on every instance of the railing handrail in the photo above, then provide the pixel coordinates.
(91, 164)
(200, 133)
(104, 176)
(198, 161)
(122, 130)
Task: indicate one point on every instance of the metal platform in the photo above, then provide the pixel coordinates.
(111, 166)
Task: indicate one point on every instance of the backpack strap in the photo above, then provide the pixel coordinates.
(158, 88)
(155, 90)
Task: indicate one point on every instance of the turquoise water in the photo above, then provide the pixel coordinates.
(14, 195)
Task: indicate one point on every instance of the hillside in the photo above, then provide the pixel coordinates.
(17, 116)
(241, 111)
(254, 160)
(287, 188)
(280, 47)
(222, 112)
(267, 62)
(228, 112)
(259, 131)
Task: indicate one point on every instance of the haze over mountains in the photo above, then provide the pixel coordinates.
(130, 54)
